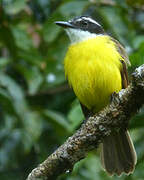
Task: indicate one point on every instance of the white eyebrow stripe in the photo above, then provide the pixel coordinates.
(91, 20)
(80, 19)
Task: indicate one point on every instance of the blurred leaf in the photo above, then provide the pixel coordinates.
(5, 101)
(139, 174)
(8, 125)
(137, 41)
(75, 115)
(137, 121)
(22, 38)
(14, 6)
(33, 77)
(118, 24)
(139, 19)
(137, 58)
(8, 148)
(135, 3)
(4, 61)
(50, 29)
(15, 92)
(58, 120)
(73, 8)
(8, 40)
(29, 119)
(32, 129)
(33, 57)
(50, 32)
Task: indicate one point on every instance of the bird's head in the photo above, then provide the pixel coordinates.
(81, 28)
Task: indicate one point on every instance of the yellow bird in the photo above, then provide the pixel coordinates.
(95, 66)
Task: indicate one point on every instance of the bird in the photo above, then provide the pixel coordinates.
(95, 65)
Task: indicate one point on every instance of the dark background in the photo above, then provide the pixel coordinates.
(37, 109)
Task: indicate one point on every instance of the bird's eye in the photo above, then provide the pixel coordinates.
(84, 23)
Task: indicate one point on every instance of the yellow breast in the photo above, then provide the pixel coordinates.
(93, 70)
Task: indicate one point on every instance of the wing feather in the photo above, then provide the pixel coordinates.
(125, 63)
(122, 51)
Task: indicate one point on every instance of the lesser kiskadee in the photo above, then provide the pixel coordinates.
(95, 65)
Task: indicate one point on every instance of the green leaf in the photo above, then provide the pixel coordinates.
(73, 8)
(30, 120)
(8, 148)
(33, 78)
(8, 40)
(32, 129)
(58, 120)
(137, 121)
(14, 6)
(6, 102)
(33, 57)
(16, 93)
(118, 25)
(137, 58)
(137, 41)
(75, 115)
(50, 31)
(4, 61)
(22, 39)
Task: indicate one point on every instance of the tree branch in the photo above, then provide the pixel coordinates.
(123, 106)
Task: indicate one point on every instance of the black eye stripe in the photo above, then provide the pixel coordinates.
(85, 23)
(82, 22)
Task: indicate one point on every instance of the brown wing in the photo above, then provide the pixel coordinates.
(122, 51)
(124, 75)
(125, 63)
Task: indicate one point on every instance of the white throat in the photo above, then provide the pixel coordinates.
(77, 35)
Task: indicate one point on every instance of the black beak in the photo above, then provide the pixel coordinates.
(64, 24)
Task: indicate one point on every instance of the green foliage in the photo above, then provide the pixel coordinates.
(38, 111)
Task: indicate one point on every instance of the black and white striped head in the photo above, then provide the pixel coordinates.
(81, 28)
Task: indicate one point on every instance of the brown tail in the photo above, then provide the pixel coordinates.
(118, 154)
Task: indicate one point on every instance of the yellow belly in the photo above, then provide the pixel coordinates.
(93, 70)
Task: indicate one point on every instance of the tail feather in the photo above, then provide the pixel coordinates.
(118, 154)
